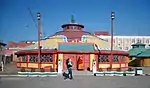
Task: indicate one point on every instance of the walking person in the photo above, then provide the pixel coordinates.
(66, 75)
(70, 68)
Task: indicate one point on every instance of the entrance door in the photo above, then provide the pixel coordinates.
(80, 62)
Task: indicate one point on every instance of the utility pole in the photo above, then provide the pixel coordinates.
(39, 38)
(112, 31)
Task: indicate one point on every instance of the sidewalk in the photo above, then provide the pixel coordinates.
(9, 69)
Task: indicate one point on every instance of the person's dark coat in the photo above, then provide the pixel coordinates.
(67, 61)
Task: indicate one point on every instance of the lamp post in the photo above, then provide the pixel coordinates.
(39, 33)
(112, 29)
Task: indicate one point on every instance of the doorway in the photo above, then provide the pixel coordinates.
(80, 62)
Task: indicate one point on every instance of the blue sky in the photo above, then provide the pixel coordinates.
(16, 24)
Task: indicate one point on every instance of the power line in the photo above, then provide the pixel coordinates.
(32, 17)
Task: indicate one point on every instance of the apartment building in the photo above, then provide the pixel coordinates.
(125, 42)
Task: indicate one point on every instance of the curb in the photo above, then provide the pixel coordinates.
(120, 76)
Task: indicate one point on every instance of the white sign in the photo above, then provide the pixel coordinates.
(59, 66)
(94, 66)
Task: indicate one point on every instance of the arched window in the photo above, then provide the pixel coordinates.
(74, 27)
(71, 27)
(67, 27)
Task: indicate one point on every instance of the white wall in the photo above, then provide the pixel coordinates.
(125, 42)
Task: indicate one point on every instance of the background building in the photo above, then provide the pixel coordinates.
(139, 55)
(13, 47)
(2, 47)
(125, 42)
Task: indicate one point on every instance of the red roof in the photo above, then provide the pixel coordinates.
(71, 35)
(20, 44)
(8, 52)
(98, 33)
(115, 52)
(35, 51)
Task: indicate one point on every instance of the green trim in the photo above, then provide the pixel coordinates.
(135, 51)
(76, 47)
(145, 53)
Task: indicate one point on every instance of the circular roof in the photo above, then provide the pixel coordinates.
(73, 34)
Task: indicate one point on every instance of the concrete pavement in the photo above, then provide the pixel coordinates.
(78, 82)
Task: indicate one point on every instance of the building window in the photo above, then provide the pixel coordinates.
(23, 58)
(147, 41)
(121, 58)
(126, 48)
(74, 27)
(133, 40)
(114, 41)
(33, 58)
(103, 58)
(115, 58)
(71, 27)
(46, 58)
(120, 47)
(139, 41)
(67, 27)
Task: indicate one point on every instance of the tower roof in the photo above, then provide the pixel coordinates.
(72, 23)
(72, 19)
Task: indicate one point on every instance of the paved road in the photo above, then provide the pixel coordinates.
(78, 82)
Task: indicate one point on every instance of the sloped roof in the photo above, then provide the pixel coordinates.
(35, 51)
(76, 47)
(145, 53)
(71, 35)
(135, 51)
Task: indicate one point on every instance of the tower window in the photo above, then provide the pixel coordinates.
(74, 27)
(71, 27)
(67, 27)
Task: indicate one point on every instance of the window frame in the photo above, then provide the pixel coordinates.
(115, 58)
(47, 58)
(101, 58)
